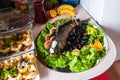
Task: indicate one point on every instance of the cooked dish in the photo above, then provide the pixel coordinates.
(19, 68)
(15, 43)
(75, 46)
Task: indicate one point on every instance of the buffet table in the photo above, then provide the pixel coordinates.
(48, 74)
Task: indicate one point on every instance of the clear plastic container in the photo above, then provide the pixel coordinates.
(15, 35)
(22, 67)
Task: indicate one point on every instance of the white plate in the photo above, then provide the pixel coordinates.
(101, 67)
(48, 74)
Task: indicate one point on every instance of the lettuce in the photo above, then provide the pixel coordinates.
(59, 61)
(87, 59)
(76, 65)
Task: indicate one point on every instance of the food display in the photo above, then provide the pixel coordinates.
(71, 45)
(17, 56)
(15, 42)
(19, 68)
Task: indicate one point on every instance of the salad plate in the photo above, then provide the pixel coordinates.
(68, 64)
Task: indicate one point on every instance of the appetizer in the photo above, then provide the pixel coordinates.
(15, 43)
(19, 68)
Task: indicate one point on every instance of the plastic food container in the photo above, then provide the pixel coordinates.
(15, 36)
(17, 57)
(21, 67)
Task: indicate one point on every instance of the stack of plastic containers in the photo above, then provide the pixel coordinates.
(17, 58)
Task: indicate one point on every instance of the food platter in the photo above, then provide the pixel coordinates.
(82, 74)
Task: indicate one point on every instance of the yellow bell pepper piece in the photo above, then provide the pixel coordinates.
(97, 45)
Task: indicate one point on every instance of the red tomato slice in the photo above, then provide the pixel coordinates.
(48, 37)
(48, 43)
(53, 30)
